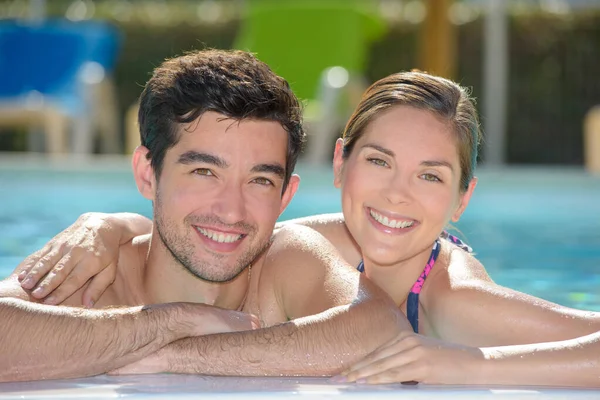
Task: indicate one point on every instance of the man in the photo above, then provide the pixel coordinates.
(220, 136)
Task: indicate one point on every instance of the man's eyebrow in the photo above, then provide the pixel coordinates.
(437, 163)
(275, 169)
(380, 148)
(191, 157)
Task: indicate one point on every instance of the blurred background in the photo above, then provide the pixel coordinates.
(71, 72)
(532, 65)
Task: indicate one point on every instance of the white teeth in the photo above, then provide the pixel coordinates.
(390, 223)
(219, 237)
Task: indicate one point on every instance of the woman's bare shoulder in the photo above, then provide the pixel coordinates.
(455, 270)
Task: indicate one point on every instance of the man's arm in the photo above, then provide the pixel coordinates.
(50, 342)
(337, 317)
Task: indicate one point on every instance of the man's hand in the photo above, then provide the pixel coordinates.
(155, 363)
(200, 319)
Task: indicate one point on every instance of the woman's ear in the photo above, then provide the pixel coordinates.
(338, 163)
(289, 192)
(465, 198)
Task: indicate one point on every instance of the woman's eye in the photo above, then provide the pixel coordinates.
(430, 178)
(377, 161)
(263, 181)
(203, 171)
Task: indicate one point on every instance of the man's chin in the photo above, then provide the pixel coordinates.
(216, 276)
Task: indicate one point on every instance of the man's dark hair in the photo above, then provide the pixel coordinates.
(229, 82)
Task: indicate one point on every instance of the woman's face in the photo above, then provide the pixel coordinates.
(400, 185)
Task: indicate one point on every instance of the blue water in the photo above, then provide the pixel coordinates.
(535, 230)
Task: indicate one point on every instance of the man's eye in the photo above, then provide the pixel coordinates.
(263, 181)
(203, 171)
(377, 161)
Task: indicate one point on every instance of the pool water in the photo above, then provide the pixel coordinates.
(535, 230)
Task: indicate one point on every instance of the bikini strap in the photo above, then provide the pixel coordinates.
(435, 252)
(456, 241)
(412, 302)
(361, 266)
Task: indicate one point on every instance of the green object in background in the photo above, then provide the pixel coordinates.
(301, 38)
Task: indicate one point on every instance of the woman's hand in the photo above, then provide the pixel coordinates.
(411, 358)
(88, 248)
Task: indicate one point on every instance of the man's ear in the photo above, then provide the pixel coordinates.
(290, 191)
(338, 163)
(464, 200)
(143, 173)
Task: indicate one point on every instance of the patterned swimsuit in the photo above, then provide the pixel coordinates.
(412, 302)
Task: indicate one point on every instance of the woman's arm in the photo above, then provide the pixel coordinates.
(412, 357)
(463, 305)
(573, 362)
(83, 250)
(88, 249)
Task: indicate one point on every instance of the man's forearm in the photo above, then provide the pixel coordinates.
(45, 342)
(319, 345)
(574, 362)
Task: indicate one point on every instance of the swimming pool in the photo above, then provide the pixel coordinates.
(536, 230)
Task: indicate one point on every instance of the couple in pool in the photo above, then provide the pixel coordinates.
(379, 294)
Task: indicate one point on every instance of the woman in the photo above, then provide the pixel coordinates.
(405, 169)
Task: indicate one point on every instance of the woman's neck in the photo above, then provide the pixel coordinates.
(397, 280)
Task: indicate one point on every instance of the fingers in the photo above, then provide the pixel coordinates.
(396, 345)
(98, 285)
(66, 285)
(126, 370)
(241, 321)
(130, 369)
(40, 264)
(378, 367)
(392, 356)
(57, 273)
(399, 368)
(254, 321)
(407, 374)
(152, 364)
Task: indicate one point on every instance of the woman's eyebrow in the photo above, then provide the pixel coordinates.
(379, 148)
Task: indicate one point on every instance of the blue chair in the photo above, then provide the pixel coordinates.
(50, 75)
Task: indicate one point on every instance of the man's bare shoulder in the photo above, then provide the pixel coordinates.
(306, 274)
(127, 288)
(334, 229)
(304, 253)
(300, 241)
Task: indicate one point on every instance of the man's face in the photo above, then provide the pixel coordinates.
(220, 193)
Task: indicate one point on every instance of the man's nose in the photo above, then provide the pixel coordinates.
(230, 206)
